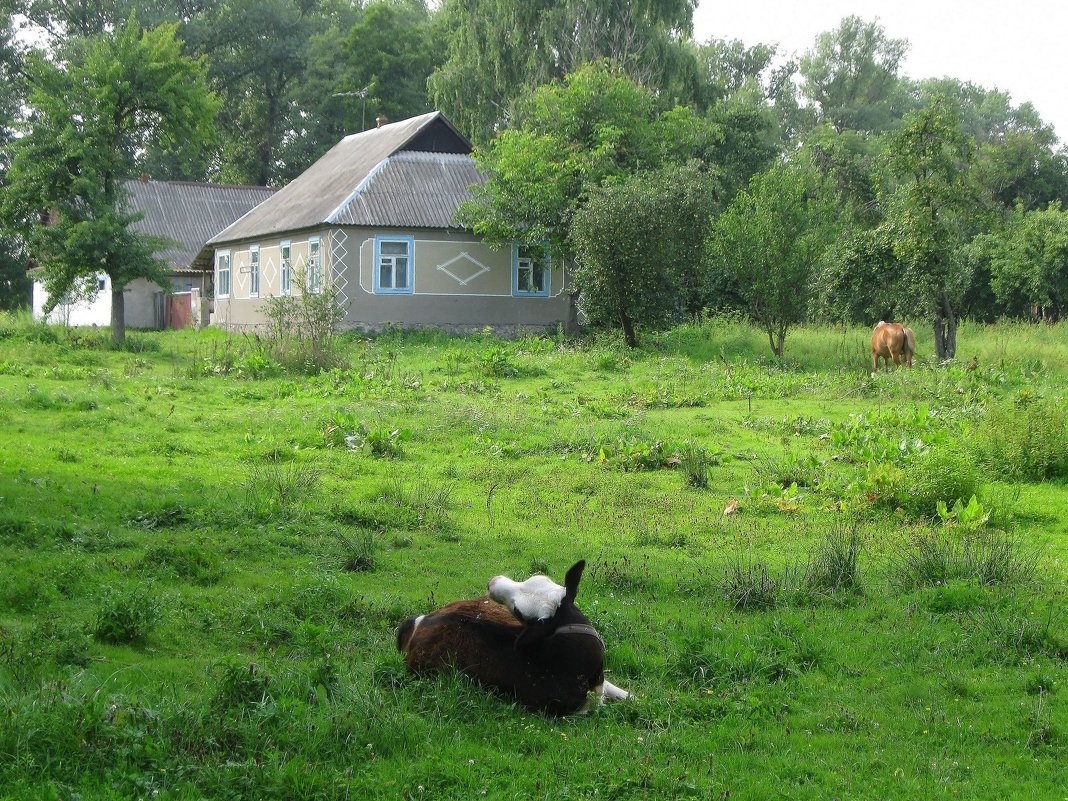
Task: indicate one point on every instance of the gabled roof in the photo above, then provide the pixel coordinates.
(408, 173)
(189, 213)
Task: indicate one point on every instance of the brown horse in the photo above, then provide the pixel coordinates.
(892, 341)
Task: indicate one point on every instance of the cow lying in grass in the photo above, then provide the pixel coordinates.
(526, 639)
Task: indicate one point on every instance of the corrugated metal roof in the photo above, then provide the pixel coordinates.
(353, 165)
(412, 190)
(190, 213)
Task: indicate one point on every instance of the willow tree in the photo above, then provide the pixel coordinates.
(89, 119)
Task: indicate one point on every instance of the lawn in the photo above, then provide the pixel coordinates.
(204, 559)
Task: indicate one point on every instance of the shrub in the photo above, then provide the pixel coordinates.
(943, 475)
(1026, 441)
(359, 550)
(126, 615)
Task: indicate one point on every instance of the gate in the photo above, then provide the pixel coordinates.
(179, 310)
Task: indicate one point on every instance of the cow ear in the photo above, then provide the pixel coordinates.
(531, 635)
(571, 581)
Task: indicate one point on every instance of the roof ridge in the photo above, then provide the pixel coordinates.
(204, 184)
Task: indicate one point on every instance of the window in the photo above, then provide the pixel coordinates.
(315, 267)
(181, 284)
(222, 274)
(393, 264)
(101, 283)
(530, 273)
(254, 271)
(286, 255)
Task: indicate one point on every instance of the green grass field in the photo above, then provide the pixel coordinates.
(203, 561)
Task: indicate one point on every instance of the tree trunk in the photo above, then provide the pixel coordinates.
(949, 342)
(628, 329)
(118, 314)
(940, 337)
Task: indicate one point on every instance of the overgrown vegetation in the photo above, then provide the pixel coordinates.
(792, 562)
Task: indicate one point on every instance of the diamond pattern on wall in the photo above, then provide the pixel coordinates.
(338, 253)
(464, 268)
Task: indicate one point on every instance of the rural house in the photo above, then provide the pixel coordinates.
(187, 214)
(374, 219)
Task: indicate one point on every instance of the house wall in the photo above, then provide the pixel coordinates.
(458, 283)
(140, 305)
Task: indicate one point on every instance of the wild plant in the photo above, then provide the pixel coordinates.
(988, 557)
(750, 584)
(303, 329)
(1024, 441)
(126, 614)
(358, 550)
(945, 474)
(834, 563)
(694, 462)
(278, 487)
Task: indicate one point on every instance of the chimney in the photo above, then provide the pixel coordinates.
(380, 121)
(144, 177)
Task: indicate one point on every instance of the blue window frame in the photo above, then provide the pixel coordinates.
(394, 256)
(222, 274)
(285, 253)
(530, 274)
(254, 271)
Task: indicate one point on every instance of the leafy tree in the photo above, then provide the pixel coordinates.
(639, 243)
(574, 135)
(392, 51)
(1028, 262)
(14, 285)
(930, 205)
(258, 52)
(767, 244)
(500, 49)
(1017, 159)
(89, 120)
(851, 74)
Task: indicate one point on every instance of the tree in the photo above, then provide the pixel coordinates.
(14, 285)
(1028, 262)
(89, 119)
(851, 74)
(930, 207)
(574, 135)
(767, 244)
(498, 50)
(392, 50)
(639, 243)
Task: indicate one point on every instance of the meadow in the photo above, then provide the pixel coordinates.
(204, 558)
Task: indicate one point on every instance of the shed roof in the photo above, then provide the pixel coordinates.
(409, 173)
(189, 213)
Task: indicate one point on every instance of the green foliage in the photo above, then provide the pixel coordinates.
(1026, 440)
(988, 557)
(91, 117)
(942, 475)
(302, 330)
(639, 244)
(126, 614)
(766, 246)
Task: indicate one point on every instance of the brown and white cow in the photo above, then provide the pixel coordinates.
(525, 639)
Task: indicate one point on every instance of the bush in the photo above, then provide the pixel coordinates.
(943, 475)
(987, 557)
(1025, 441)
(126, 615)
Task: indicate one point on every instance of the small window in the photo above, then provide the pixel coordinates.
(101, 283)
(393, 265)
(530, 272)
(286, 255)
(254, 271)
(315, 267)
(222, 274)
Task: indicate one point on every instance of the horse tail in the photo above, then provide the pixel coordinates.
(910, 340)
